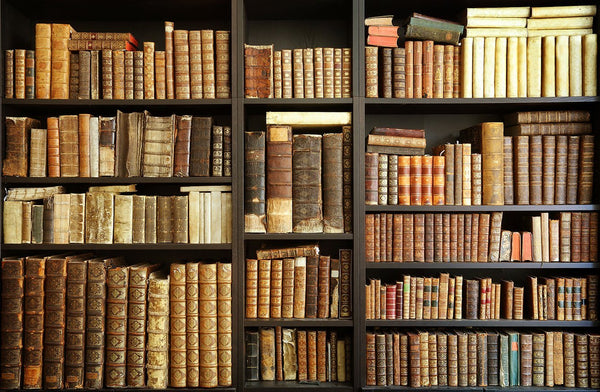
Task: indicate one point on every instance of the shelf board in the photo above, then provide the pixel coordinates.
(300, 323)
(297, 101)
(298, 236)
(482, 323)
(428, 389)
(295, 385)
(116, 247)
(78, 103)
(490, 266)
(117, 180)
(486, 208)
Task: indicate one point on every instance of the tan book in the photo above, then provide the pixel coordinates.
(298, 75)
(77, 218)
(575, 66)
(549, 66)
(489, 63)
(478, 67)
(169, 60)
(149, 70)
(13, 222)
(19, 73)
(129, 78)
(37, 152)
(138, 74)
(157, 330)
(562, 66)
(68, 128)
(279, 178)
(499, 12)
(208, 303)
(159, 74)
(99, 218)
(43, 57)
(308, 70)
(512, 69)
(192, 325)
(222, 64)
(224, 321)
(118, 63)
(574, 22)
(123, 219)
(590, 55)
(117, 283)
(195, 63)
(158, 150)
(534, 66)
(495, 22)
(299, 287)
(522, 66)
(107, 74)
(177, 363)
(208, 64)
(62, 207)
(59, 78)
(309, 119)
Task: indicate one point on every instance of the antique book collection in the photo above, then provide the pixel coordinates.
(271, 201)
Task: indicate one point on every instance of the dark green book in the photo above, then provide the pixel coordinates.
(504, 369)
(515, 357)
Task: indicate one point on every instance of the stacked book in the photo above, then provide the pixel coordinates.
(292, 354)
(529, 52)
(308, 176)
(417, 69)
(391, 31)
(104, 215)
(297, 73)
(111, 328)
(126, 145)
(415, 298)
(99, 65)
(483, 358)
(298, 283)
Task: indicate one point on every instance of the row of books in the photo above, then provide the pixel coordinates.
(563, 298)
(483, 358)
(103, 217)
(573, 237)
(297, 73)
(418, 69)
(298, 354)
(102, 324)
(303, 284)
(66, 64)
(126, 145)
(308, 181)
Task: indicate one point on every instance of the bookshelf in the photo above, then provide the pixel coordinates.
(311, 23)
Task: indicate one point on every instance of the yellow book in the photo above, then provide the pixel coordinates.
(563, 11)
(499, 12)
(562, 66)
(546, 32)
(590, 56)
(575, 67)
(466, 60)
(512, 67)
(534, 66)
(549, 66)
(478, 51)
(495, 32)
(522, 66)
(581, 22)
(496, 22)
(500, 67)
(489, 65)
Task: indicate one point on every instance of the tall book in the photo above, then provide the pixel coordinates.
(222, 67)
(177, 331)
(158, 150)
(95, 324)
(194, 56)
(117, 282)
(136, 324)
(157, 329)
(254, 180)
(15, 161)
(208, 314)
(33, 321)
(333, 210)
(279, 179)
(258, 71)
(224, 322)
(149, 81)
(169, 60)
(208, 64)
(75, 323)
(59, 75)
(43, 64)
(11, 325)
(306, 183)
(54, 321)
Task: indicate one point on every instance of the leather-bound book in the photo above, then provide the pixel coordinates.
(558, 358)
(279, 179)
(408, 237)
(321, 355)
(549, 359)
(107, 132)
(252, 356)
(586, 169)
(20, 74)
(438, 186)
(306, 184)
(139, 219)
(560, 181)
(569, 359)
(33, 320)
(130, 130)
(178, 353)
(323, 287)
(69, 145)
(452, 359)
(224, 320)
(526, 365)
(138, 74)
(419, 237)
(472, 299)
(337, 72)
(95, 74)
(453, 238)
(182, 146)
(118, 64)
(371, 360)
(494, 237)
(418, 69)
(438, 71)
(372, 178)
(222, 64)
(37, 152)
(404, 180)
(472, 359)
(429, 237)
(302, 346)
(208, 304)
(538, 359)
(398, 72)
(95, 313)
(493, 358)
(458, 174)
(258, 71)
(382, 171)
(254, 180)
(424, 345)
(483, 240)
(278, 357)
(474, 237)
(521, 168)
(289, 355)
(347, 166)
(208, 64)
(129, 78)
(193, 54)
(9, 73)
(149, 92)
(150, 219)
(267, 353)
(442, 358)
(508, 170)
(576, 236)
(414, 355)
(84, 145)
(75, 323)
(371, 68)
(305, 56)
(15, 161)
(275, 289)
(433, 360)
(345, 283)
(476, 179)
(116, 326)
(12, 322)
(333, 210)
(397, 243)
(385, 74)
(482, 358)
(286, 73)
(61, 209)
(157, 329)
(84, 74)
(54, 321)
(159, 77)
(380, 360)
(107, 74)
(300, 287)
(427, 180)
(548, 168)
(43, 66)
(123, 219)
(463, 359)
(227, 157)
(158, 150)
(59, 78)
(264, 288)
(169, 60)
(449, 174)
(582, 361)
(136, 325)
(251, 288)
(535, 169)
(573, 159)
(200, 146)
(287, 290)
(409, 68)
(312, 283)
(416, 181)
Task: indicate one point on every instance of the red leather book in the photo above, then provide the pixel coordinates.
(418, 69)
(390, 302)
(428, 65)
(416, 163)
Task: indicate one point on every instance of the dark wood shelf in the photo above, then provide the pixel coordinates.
(295, 385)
(117, 247)
(133, 103)
(428, 389)
(117, 180)
(483, 323)
(298, 236)
(300, 323)
(479, 266)
(486, 208)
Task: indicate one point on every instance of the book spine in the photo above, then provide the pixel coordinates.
(222, 64)
(169, 60)
(208, 64)
(149, 85)
(372, 73)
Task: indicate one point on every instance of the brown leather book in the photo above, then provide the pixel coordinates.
(129, 76)
(305, 56)
(442, 358)
(59, 86)
(382, 172)
(472, 299)
(323, 287)
(157, 329)
(385, 74)
(424, 343)
(169, 60)
(95, 74)
(576, 236)
(129, 144)
(495, 236)
(451, 75)
(573, 160)
(558, 358)
(251, 288)
(116, 326)
(279, 179)
(149, 85)
(549, 359)
(449, 174)
(322, 356)
(54, 321)
(560, 181)
(419, 237)
(526, 341)
(200, 146)
(416, 181)
(372, 74)
(264, 288)
(428, 68)
(95, 312)
(345, 283)
(472, 356)
(208, 64)
(582, 361)
(333, 182)
(483, 238)
(33, 321)
(438, 71)
(398, 73)
(158, 150)
(159, 77)
(397, 243)
(278, 357)
(306, 183)
(548, 168)
(535, 169)
(178, 337)
(75, 323)
(380, 360)
(254, 205)
(258, 71)
(107, 74)
(372, 178)
(370, 238)
(586, 169)
(138, 74)
(594, 358)
(118, 63)
(222, 67)
(346, 72)
(508, 170)
(337, 72)
(569, 359)
(182, 146)
(371, 360)
(408, 237)
(414, 355)
(267, 353)
(453, 238)
(547, 116)
(458, 174)
(275, 288)
(12, 322)
(192, 325)
(329, 71)
(482, 358)
(538, 359)
(570, 128)
(312, 283)
(25, 74)
(107, 130)
(418, 69)
(15, 162)
(429, 237)
(84, 144)
(521, 169)
(194, 56)
(224, 320)
(404, 180)
(347, 166)
(43, 49)
(427, 180)
(84, 74)
(227, 157)
(287, 290)
(463, 359)
(286, 73)
(438, 181)
(300, 287)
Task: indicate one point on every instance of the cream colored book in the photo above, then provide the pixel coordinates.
(13, 222)
(496, 22)
(139, 219)
(215, 217)
(499, 12)
(207, 218)
(309, 118)
(549, 66)
(496, 32)
(579, 22)
(590, 65)
(512, 68)
(500, 67)
(201, 232)
(94, 147)
(99, 211)
(575, 67)
(62, 208)
(27, 222)
(226, 214)
(554, 233)
(544, 33)
(28, 194)
(545, 236)
(466, 174)
(534, 67)
(194, 217)
(478, 56)
(536, 239)
(489, 65)
(205, 188)
(466, 60)
(123, 219)
(112, 189)
(522, 67)
(563, 11)
(77, 218)
(562, 66)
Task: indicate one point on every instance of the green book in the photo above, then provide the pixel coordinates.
(504, 370)
(514, 362)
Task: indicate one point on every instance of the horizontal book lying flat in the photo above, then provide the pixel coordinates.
(309, 118)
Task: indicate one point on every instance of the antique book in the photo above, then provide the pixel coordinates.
(22, 58)
(306, 183)
(123, 219)
(158, 146)
(586, 169)
(107, 74)
(95, 312)
(279, 179)
(129, 144)
(62, 208)
(43, 49)
(217, 151)
(258, 71)
(222, 67)
(54, 321)
(107, 139)
(59, 69)
(345, 283)
(69, 145)
(312, 286)
(298, 75)
(252, 356)
(99, 218)
(75, 323)
(33, 321)
(208, 315)
(129, 76)
(188, 64)
(118, 64)
(12, 322)
(9, 73)
(157, 329)
(177, 332)
(267, 353)
(15, 161)
(275, 288)
(208, 64)
(333, 214)
(300, 287)
(224, 320)
(149, 85)
(182, 146)
(136, 324)
(251, 288)
(117, 283)
(200, 146)
(138, 74)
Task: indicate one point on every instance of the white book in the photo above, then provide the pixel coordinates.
(466, 54)
(495, 32)
(224, 239)
(194, 217)
(489, 65)
(590, 66)
(13, 222)
(207, 218)
(478, 52)
(512, 68)
(562, 66)
(578, 22)
(215, 217)
(309, 118)
(94, 147)
(575, 67)
(522, 65)
(227, 219)
(496, 22)
(563, 11)
(545, 236)
(536, 238)
(546, 32)
(205, 188)
(500, 71)
(549, 66)
(499, 12)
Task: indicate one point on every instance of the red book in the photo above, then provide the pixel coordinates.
(428, 69)
(516, 247)
(420, 133)
(390, 302)
(389, 31)
(403, 180)
(526, 246)
(408, 68)
(415, 180)
(427, 180)
(418, 69)
(385, 41)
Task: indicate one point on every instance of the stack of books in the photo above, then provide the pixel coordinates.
(392, 31)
